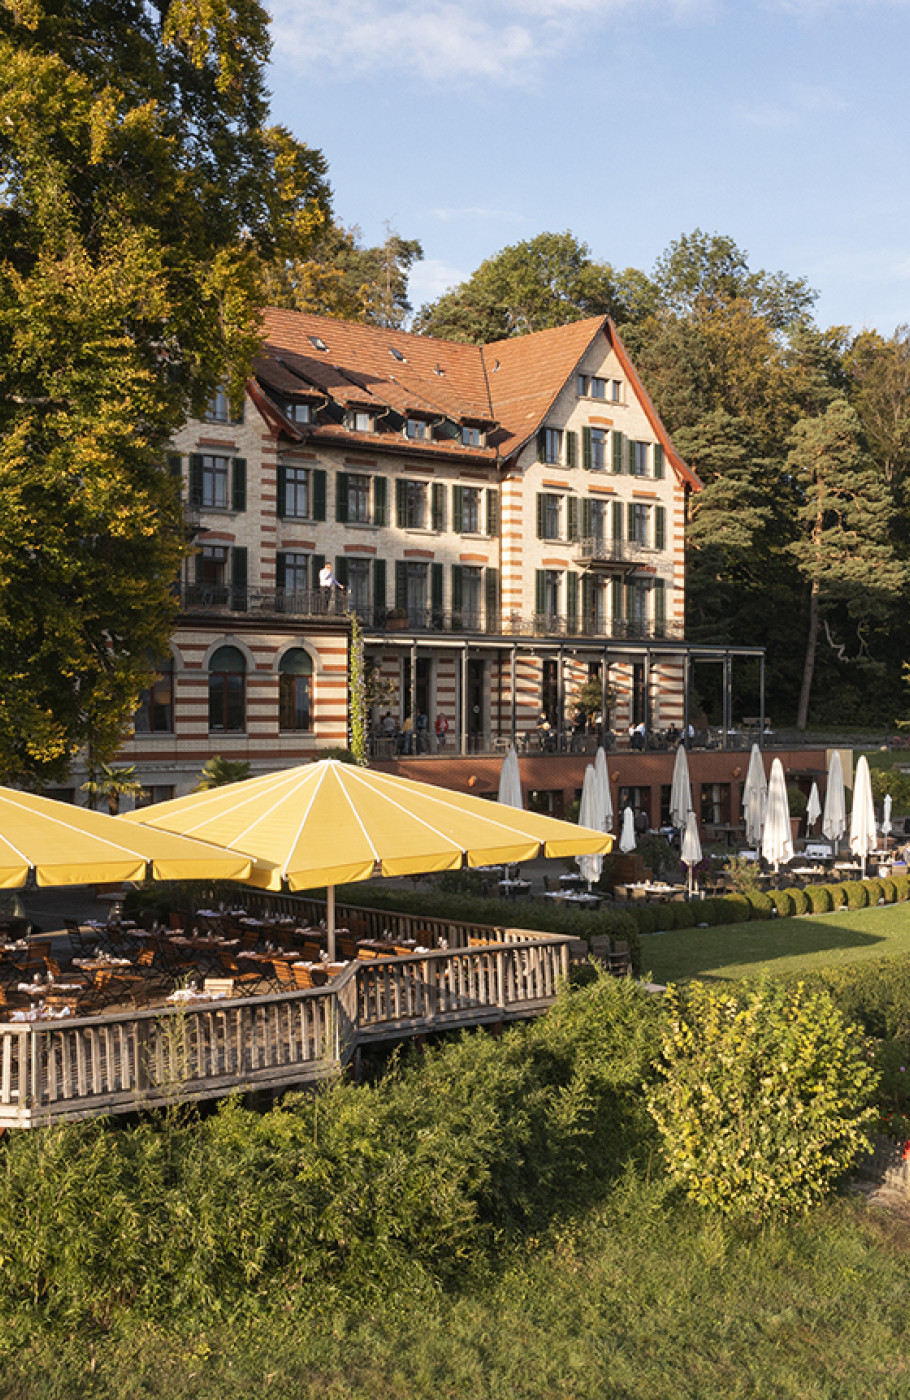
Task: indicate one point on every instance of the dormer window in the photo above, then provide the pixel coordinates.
(360, 422)
(317, 343)
(471, 437)
(219, 409)
(299, 412)
(417, 429)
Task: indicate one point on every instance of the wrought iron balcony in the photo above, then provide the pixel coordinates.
(279, 602)
(597, 551)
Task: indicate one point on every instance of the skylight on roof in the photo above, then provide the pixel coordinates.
(439, 370)
(317, 342)
(396, 354)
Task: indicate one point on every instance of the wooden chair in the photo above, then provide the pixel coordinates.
(245, 982)
(284, 976)
(176, 922)
(347, 946)
(302, 976)
(619, 958)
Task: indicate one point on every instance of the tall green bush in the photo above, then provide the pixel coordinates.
(819, 897)
(762, 1100)
(857, 895)
(783, 902)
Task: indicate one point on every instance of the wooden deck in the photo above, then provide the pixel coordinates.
(51, 1071)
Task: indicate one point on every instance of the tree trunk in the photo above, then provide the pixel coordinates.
(809, 664)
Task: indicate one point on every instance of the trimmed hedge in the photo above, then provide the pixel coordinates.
(760, 905)
(876, 994)
(857, 894)
(819, 897)
(783, 902)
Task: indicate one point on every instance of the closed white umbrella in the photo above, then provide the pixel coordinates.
(590, 815)
(776, 840)
(627, 835)
(886, 815)
(834, 818)
(862, 816)
(510, 781)
(755, 796)
(813, 807)
(690, 853)
(603, 782)
(681, 790)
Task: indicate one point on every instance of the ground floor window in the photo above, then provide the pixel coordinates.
(295, 693)
(227, 691)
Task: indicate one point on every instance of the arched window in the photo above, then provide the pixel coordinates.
(227, 681)
(295, 696)
(155, 714)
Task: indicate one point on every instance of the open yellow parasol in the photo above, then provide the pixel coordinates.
(63, 845)
(330, 823)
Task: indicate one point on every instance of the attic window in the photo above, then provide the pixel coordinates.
(317, 342)
(416, 428)
(471, 437)
(397, 355)
(299, 412)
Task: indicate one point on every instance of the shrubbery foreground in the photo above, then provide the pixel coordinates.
(420, 1179)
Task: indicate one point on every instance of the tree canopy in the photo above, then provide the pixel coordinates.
(343, 279)
(142, 194)
(530, 286)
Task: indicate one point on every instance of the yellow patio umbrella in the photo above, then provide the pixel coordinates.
(331, 823)
(57, 844)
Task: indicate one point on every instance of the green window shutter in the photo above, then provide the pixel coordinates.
(617, 599)
(617, 521)
(572, 518)
(571, 449)
(630, 520)
(197, 568)
(238, 483)
(341, 570)
(436, 587)
(631, 457)
(379, 583)
(660, 607)
(380, 500)
(491, 598)
(195, 479)
(586, 448)
(401, 584)
(629, 591)
(541, 517)
(541, 444)
(540, 591)
(438, 496)
(587, 523)
(318, 495)
(458, 509)
(341, 497)
(492, 497)
(238, 578)
(280, 568)
(618, 453)
(401, 504)
(457, 588)
(571, 601)
(660, 527)
(175, 464)
(658, 461)
(280, 496)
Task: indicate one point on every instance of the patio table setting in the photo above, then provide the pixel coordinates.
(511, 889)
(651, 890)
(184, 996)
(582, 897)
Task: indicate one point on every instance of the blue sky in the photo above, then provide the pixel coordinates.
(472, 124)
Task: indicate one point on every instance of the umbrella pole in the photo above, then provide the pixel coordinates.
(330, 920)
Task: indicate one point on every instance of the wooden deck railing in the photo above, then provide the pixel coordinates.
(120, 1063)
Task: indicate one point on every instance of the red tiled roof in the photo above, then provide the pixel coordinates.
(508, 386)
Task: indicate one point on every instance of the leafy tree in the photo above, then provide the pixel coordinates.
(701, 271)
(142, 194)
(843, 552)
(545, 281)
(342, 279)
(218, 772)
(763, 1099)
(880, 372)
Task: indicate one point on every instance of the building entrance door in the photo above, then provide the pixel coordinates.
(476, 682)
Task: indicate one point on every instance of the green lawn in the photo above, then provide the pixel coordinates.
(777, 945)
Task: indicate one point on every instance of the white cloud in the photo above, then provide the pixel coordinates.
(445, 41)
(430, 278)
(793, 106)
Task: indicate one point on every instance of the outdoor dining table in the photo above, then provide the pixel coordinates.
(513, 888)
(43, 989)
(41, 1013)
(652, 890)
(185, 995)
(573, 897)
(98, 964)
(571, 881)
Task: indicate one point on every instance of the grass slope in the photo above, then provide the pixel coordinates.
(778, 945)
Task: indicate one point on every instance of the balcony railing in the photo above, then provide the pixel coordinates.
(226, 597)
(598, 550)
(319, 604)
